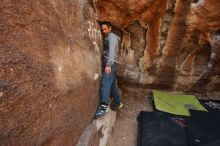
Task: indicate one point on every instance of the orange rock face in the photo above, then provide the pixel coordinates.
(171, 44)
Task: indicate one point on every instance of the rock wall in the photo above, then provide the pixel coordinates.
(49, 71)
(170, 44)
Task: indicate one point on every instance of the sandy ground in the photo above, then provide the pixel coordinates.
(126, 126)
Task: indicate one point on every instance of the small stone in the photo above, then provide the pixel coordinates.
(50, 106)
(96, 76)
(60, 68)
(197, 140)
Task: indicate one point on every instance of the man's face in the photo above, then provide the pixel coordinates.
(106, 29)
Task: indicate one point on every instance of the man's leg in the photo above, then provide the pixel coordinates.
(116, 104)
(106, 84)
(115, 92)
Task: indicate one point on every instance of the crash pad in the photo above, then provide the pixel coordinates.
(213, 143)
(203, 128)
(178, 104)
(211, 105)
(160, 129)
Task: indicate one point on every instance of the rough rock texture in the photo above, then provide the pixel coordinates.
(49, 71)
(172, 44)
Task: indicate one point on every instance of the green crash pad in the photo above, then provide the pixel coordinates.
(176, 103)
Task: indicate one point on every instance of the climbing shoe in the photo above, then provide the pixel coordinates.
(101, 111)
(116, 107)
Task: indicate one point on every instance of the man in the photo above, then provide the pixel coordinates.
(108, 82)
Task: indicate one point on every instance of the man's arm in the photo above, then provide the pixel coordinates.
(113, 44)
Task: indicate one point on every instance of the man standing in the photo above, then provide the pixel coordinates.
(108, 82)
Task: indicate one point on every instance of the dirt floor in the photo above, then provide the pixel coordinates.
(125, 131)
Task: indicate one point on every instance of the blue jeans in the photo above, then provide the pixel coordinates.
(109, 86)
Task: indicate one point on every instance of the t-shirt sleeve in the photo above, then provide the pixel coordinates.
(113, 44)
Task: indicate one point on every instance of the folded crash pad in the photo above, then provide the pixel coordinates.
(203, 128)
(159, 129)
(176, 103)
(211, 105)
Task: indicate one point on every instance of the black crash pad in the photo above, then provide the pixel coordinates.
(211, 105)
(203, 128)
(213, 143)
(160, 129)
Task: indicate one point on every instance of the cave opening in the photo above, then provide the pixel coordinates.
(195, 1)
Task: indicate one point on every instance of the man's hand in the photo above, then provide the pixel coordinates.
(108, 69)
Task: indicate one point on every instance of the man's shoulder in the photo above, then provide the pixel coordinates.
(112, 35)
